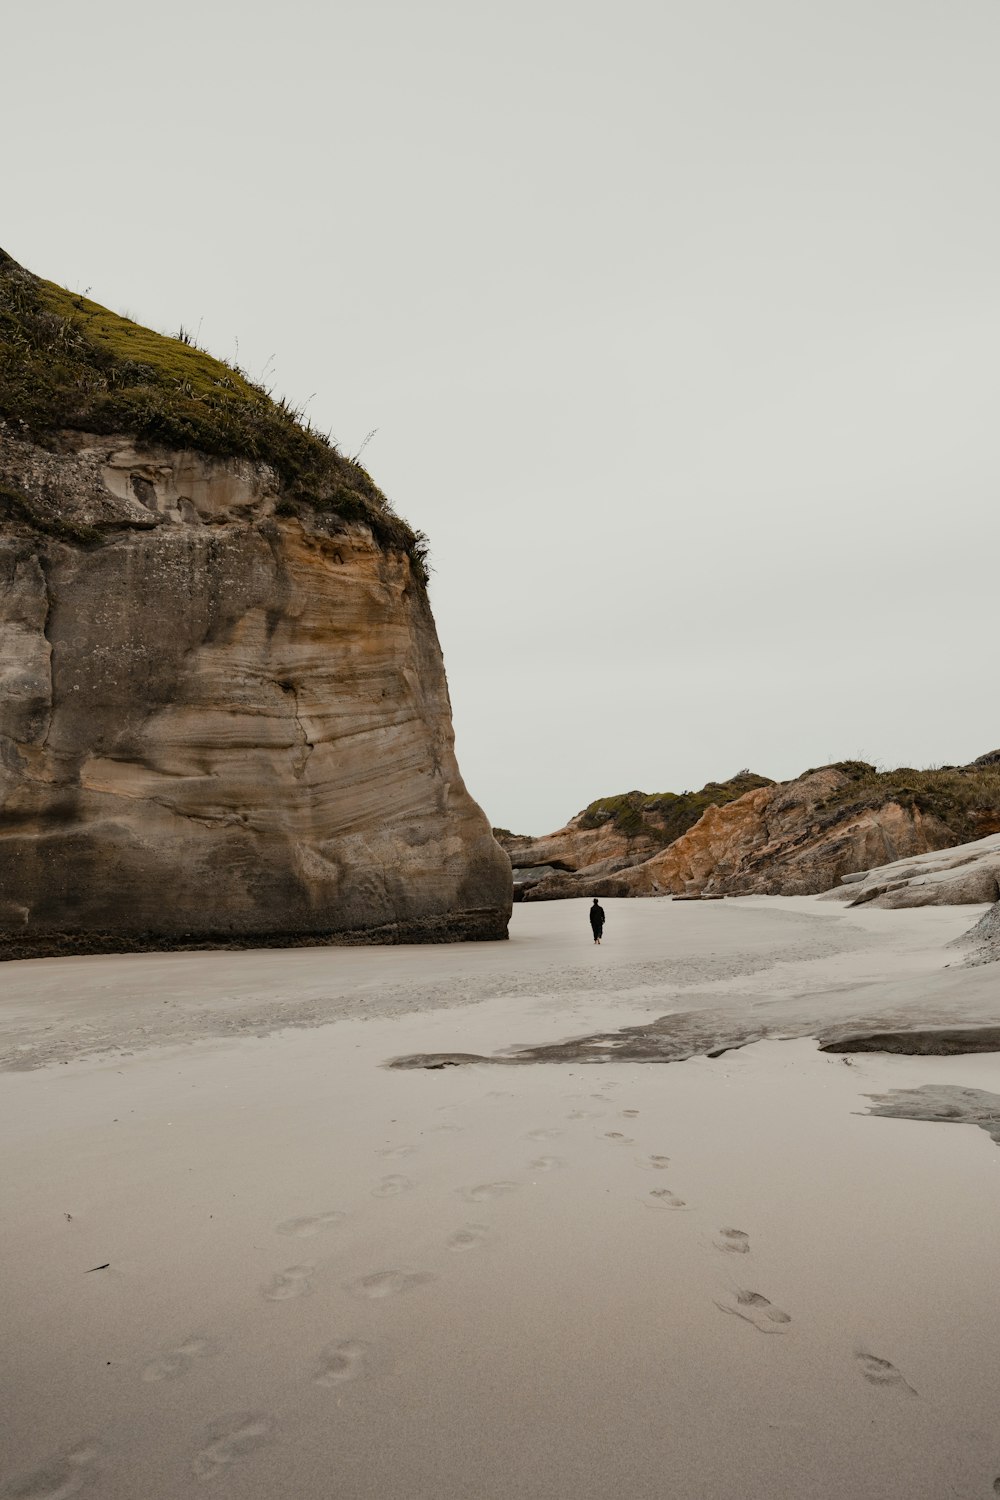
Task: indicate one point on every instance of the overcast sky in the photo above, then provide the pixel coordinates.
(679, 323)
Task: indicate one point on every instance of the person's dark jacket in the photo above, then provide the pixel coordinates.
(597, 918)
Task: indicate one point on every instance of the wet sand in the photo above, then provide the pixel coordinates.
(323, 1276)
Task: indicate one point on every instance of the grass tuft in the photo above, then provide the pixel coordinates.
(965, 798)
(69, 363)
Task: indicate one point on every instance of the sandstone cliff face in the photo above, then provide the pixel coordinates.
(217, 722)
(552, 862)
(611, 835)
(777, 841)
(795, 838)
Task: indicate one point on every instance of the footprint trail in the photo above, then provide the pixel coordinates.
(757, 1311)
(293, 1282)
(173, 1363)
(340, 1362)
(734, 1240)
(229, 1439)
(881, 1372)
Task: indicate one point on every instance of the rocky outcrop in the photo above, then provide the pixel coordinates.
(599, 852)
(223, 714)
(983, 940)
(799, 837)
(611, 835)
(787, 841)
(963, 874)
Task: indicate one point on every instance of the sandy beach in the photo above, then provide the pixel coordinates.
(241, 1255)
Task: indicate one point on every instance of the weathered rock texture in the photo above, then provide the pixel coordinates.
(611, 835)
(782, 841)
(796, 838)
(964, 874)
(219, 723)
(599, 852)
(983, 939)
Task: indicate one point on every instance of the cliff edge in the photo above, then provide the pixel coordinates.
(223, 709)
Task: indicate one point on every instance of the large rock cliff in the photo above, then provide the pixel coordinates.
(223, 708)
(611, 835)
(797, 837)
(786, 840)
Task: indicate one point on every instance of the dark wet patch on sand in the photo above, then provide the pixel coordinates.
(942, 1103)
(670, 1039)
(677, 1038)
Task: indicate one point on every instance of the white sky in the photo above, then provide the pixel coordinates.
(679, 323)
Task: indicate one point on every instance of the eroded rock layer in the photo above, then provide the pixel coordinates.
(789, 840)
(218, 723)
(793, 838)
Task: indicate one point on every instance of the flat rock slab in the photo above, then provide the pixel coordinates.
(937, 1041)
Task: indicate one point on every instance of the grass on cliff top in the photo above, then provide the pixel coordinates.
(67, 362)
(965, 798)
(664, 816)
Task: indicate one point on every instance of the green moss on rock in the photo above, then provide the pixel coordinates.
(663, 816)
(13, 503)
(69, 363)
(965, 798)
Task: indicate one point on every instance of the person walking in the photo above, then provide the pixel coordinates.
(597, 920)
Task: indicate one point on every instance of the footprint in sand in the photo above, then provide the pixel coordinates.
(584, 1114)
(484, 1192)
(68, 1474)
(544, 1134)
(341, 1362)
(757, 1311)
(662, 1198)
(389, 1187)
(394, 1152)
(881, 1372)
(388, 1284)
(616, 1135)
(733, 1239)
(302, 1229)
(470, 1237)
(654, 1163)
(293, 1282)
(630, 1114)
(547, 1163)
(229, 1439)
(173, 1363)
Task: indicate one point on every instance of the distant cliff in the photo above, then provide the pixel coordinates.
(797, 837)
(223, 708)
(613, 834)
